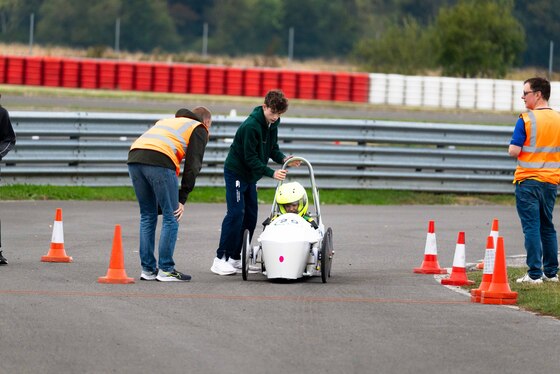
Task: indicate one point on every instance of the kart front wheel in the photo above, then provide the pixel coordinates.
(245, 254)
(327, 253)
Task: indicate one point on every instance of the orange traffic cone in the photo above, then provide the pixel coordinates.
(56, 251)
(458, 272)
(430, 265)
(489, 257)
(499, 291)
(494, 232)
(116, 272)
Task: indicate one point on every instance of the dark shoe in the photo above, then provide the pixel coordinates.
(172, 276)
(3, 260)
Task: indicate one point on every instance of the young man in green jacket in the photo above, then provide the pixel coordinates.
(255, 142)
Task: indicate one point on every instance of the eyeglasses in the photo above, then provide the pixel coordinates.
(525, 93)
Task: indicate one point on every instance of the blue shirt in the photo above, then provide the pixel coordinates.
(519, 135)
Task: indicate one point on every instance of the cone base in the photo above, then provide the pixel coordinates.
(499, 295)
(423, 270)
(456, 282)
(117, 276)
(458, 277)
(108, 280)
(498, 301)
(484, 285)
(56, 259)
(475, 299)
(478, 291)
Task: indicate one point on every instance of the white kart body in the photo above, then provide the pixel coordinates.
(289, 247)
(287, 244)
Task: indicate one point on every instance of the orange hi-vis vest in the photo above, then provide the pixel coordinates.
(540, 156)
(169, 136)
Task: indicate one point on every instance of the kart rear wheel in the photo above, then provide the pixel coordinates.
(326, 255)
(246, 254)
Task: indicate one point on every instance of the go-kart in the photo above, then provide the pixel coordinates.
(289, 246)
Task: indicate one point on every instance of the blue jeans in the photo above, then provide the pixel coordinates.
(155, 185)
(242, 212)
(535, 202)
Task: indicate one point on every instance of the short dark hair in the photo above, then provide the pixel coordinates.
(183, 112)
(276, 101)
(203, 113)
(540, 84)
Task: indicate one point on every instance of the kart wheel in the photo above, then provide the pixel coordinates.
(326, 255)
(245, 254)
(263, 265)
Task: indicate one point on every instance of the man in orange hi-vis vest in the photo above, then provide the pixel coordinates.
(154, 164)
(536, 145)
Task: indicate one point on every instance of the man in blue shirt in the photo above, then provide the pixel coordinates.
(536, 146)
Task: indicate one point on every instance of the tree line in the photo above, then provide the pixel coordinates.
(483, 38)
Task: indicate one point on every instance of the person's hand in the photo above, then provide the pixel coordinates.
(280, 174)
(295, 163)
(179, 212)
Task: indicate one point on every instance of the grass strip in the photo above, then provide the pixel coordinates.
(542, 299)
(217, 195)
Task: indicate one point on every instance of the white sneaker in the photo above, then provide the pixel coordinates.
(527, 279)
(237, 265)
(551, 279)
(254, 269)
(222, 267)
(148, 275)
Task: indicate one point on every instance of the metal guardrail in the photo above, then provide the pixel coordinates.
(90, 149)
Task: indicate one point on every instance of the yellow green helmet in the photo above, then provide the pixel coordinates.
(289, 193)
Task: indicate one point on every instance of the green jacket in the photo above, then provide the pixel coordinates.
(254, 143)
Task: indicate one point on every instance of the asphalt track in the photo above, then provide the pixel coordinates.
(374, 316)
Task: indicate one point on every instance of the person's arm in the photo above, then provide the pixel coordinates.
(514, 150)
(517, 139)
(311, 221)
(193, 162)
